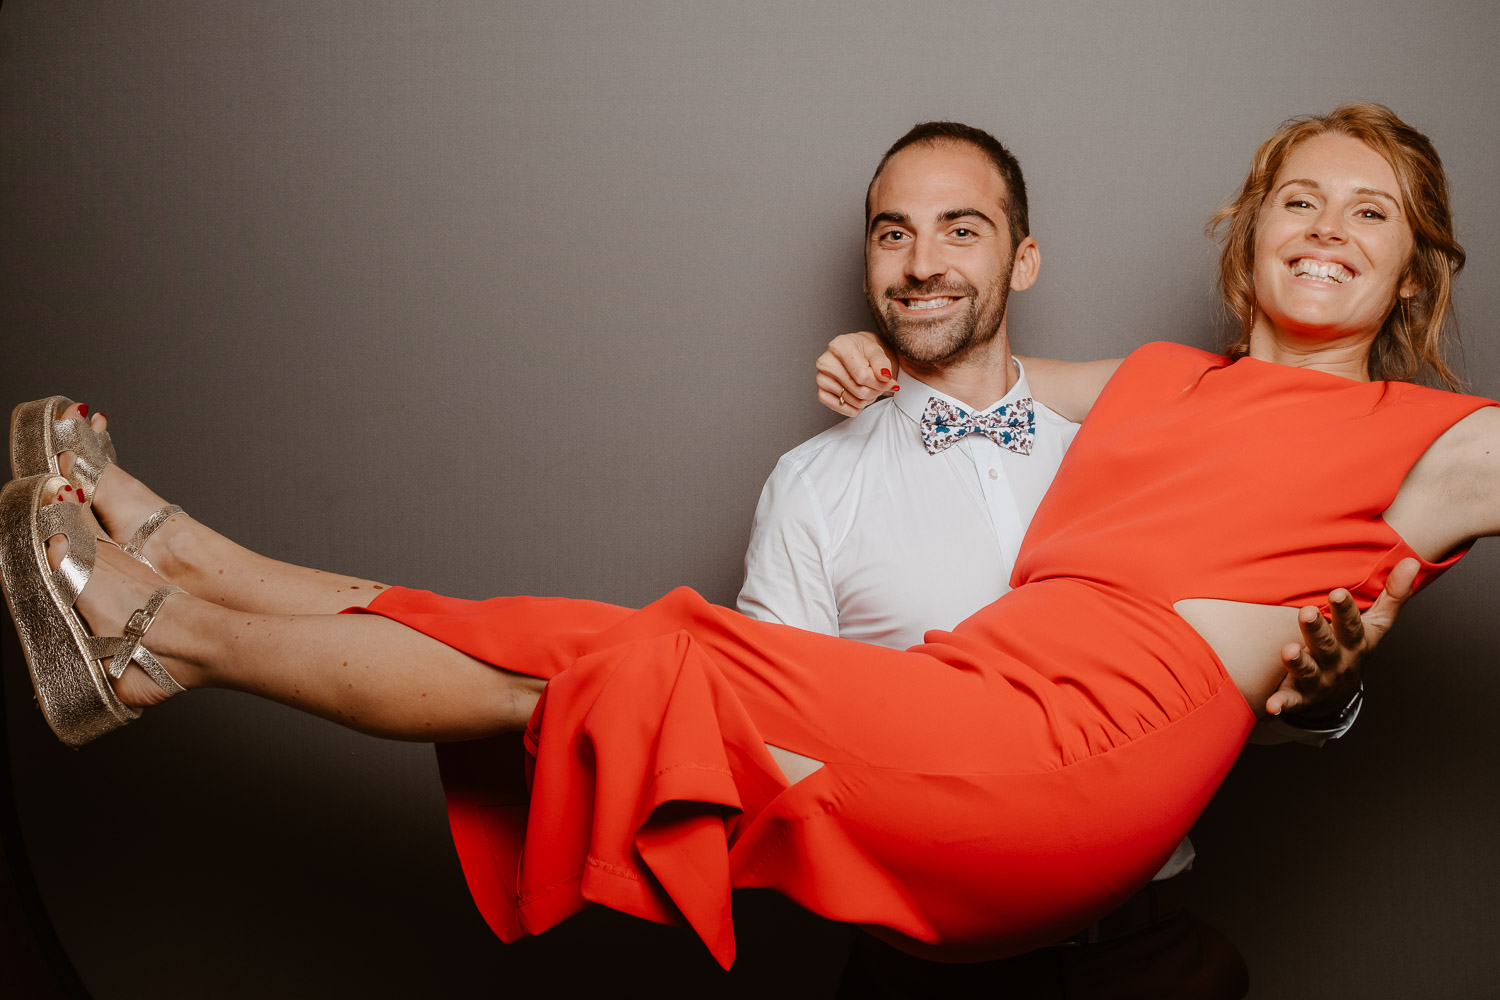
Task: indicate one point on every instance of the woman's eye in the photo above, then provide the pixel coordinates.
(1371, 213)
(1298, 203)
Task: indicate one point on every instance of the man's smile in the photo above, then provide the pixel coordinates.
(927, 304)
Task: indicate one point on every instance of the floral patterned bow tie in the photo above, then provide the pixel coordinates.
(1011, 426)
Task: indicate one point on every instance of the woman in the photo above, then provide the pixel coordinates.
(982, 794)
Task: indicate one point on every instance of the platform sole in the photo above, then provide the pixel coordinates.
(72, 689)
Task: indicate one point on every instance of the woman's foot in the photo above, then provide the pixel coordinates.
(123, 503)
(116, 589)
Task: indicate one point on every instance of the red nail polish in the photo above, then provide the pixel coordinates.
(83, 410)
(68, 489)
(885, 373)
(895, 388)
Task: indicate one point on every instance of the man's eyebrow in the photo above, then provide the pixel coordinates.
(895, 218)
(951, 215)
(954, 214)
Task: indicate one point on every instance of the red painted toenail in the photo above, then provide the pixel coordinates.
(83, 409)
(68, 489)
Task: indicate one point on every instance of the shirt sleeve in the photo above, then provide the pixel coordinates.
(786, 565)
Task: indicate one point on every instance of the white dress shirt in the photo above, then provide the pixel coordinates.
(861, 533)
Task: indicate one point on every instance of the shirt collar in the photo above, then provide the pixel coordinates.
(914, 394)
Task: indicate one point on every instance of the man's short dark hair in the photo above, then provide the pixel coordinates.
(934, 133)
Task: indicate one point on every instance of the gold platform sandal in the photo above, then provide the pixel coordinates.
(71, 682)
(37, 437)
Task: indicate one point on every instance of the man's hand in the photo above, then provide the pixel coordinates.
(1323, 674)
(853, 372)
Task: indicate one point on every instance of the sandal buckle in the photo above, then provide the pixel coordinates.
(135, 628)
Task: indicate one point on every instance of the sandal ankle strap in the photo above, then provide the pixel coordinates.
(137, 627)
(135, 548)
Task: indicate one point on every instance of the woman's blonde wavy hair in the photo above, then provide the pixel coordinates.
(1411, 340)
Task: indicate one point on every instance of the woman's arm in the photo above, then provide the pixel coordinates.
(1068, 387)
(855, 370)
(1452, 495)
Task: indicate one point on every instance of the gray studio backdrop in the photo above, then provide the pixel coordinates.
(523, 297)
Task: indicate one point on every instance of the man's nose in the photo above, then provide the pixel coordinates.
(926, 259)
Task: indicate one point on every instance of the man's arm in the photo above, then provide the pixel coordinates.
(786, 569)
(1320, 696)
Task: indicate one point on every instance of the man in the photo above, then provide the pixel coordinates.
(910, 516)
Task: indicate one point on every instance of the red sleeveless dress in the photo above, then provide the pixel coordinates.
(992, 790)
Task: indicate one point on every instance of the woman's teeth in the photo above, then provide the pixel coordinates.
(1321, 270)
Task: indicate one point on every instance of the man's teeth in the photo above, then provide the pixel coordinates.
(1322, 270)
(927, 303)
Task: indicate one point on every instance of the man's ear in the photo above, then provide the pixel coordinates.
(1028, 264)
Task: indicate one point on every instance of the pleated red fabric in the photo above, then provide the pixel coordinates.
(990, 791)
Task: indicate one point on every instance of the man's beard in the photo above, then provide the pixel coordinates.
(932, 342)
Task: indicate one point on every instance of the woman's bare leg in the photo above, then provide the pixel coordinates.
(362, 671)
(210, 566)
(286, 641)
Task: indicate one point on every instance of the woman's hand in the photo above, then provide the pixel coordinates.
(854, 372)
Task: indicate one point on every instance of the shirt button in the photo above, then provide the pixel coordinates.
(994, 473)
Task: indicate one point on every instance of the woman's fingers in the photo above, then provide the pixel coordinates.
(841, 398)
(852, 372)
(862, 357)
